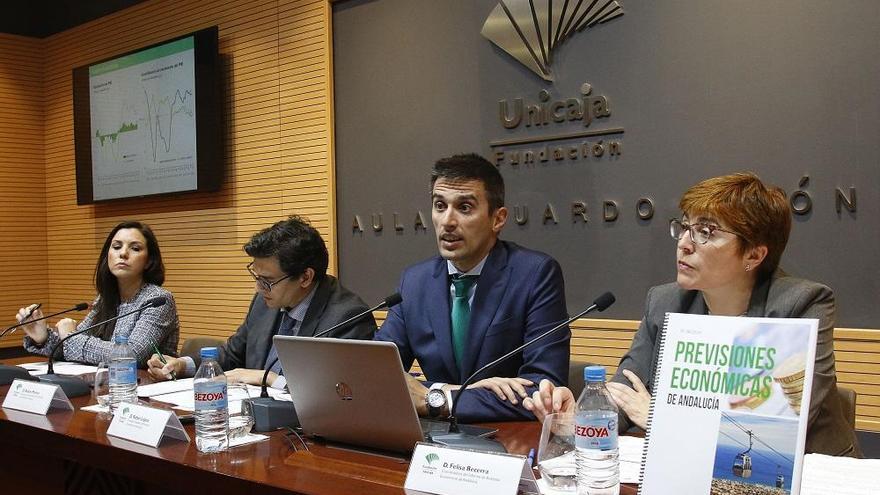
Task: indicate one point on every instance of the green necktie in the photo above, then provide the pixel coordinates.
(461, 314)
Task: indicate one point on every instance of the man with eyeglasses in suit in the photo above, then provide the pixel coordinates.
(294, 296)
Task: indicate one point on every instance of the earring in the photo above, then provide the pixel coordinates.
(748, 267)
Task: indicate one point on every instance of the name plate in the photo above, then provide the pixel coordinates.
(35, 397)
(440, 470)
(145, 425)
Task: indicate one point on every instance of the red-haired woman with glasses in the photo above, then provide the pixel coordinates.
(731, 235)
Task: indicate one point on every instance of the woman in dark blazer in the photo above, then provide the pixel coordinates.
(731, 236)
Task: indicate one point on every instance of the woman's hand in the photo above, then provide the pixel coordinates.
(65, 327)
(37, 331)
(549, 399)
(633, 401)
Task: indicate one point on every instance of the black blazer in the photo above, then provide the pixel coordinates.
(332, 303)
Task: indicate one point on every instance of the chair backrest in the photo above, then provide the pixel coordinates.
(848, 402)
(192, 346)
(576, 375)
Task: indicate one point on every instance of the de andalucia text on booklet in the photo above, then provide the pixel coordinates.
(730, 403)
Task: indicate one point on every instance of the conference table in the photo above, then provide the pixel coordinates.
(69, 452)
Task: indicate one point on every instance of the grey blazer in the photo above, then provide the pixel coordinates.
(777, 296)
(249, 346)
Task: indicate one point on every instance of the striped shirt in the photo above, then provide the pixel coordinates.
(159, 325)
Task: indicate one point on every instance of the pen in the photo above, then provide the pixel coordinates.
(162, 358)
(531, 457)
(28, 315)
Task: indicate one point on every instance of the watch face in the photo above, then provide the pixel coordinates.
(436, 398)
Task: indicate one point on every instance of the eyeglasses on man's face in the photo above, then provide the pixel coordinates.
(263, 283)
(700, 232)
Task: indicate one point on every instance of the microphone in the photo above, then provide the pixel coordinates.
(458, 439)
(392, 300)
(10, 373)
(270, 414)
(78, 307)
(73, 386)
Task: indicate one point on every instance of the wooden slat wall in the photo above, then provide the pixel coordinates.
(856, 351)
(23, 270)
(277, 70)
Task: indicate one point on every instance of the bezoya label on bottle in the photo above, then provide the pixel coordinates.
(597, 432)
(210, 395)
(125, 372)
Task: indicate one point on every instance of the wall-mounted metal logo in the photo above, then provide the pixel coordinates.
(343, 390)
(531, 30)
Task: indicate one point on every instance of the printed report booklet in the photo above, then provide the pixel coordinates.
(730, 403)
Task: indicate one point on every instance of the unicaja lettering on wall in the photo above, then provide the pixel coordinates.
(583, 108)
(548, 113)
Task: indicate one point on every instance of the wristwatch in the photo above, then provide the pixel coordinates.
(436, 401)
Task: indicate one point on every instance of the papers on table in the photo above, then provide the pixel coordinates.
(825, 474)
(60, 367)
(181, 400)
(630, 455)
(179, 393)
(159, 388)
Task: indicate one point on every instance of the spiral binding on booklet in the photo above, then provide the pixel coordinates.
(654, 387)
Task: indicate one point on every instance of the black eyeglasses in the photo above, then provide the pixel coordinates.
(701, 233)
(262, 282)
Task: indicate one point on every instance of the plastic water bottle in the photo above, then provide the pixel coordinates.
(211, 404)
(598, 471)
(123, 373)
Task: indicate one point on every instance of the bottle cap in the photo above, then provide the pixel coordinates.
(209, 353)
(594, 373)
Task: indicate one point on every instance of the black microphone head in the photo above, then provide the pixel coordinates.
(602, 302)
(393, 300)
(81, 307)
(155, 302)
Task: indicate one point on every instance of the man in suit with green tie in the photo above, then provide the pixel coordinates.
(480, 298)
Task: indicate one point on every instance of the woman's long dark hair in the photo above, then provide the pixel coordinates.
(106, 283)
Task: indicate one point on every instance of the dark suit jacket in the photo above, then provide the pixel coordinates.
(778, 296)
(519, 294)
(332, 303)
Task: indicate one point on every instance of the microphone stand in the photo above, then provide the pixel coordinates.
(457, 438)
(74, 386)
(10, 373)
(271, 414)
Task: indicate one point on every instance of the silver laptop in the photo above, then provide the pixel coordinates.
(354, 392)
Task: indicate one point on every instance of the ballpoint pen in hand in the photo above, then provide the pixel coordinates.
(28, 315)
(162, 358)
